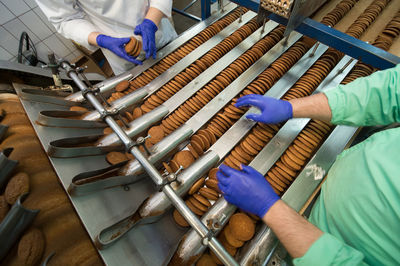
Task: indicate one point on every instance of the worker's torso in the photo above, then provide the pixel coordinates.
(360, 201)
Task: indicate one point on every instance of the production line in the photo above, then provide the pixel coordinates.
(172, 121)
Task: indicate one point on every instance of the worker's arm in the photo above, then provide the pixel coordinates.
(307, 244)
(69, 20)
(373, 100)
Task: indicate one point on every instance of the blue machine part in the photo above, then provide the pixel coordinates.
(351, 46)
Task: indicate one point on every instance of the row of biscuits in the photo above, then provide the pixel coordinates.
(153, 72)
(192, 71)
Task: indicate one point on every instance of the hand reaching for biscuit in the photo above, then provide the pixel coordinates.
(247, 189)
(273, 111)
(117, 46)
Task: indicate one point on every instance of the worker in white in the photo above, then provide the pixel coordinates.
(108, 23)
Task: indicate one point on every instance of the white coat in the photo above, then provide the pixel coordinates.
(76, 19)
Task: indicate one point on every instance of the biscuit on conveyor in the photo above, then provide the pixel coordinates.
(4, 207)
(194, 208)
(115, 157)
(202, 200)
(209, 193)
(123, 85)
(184, 158)
(156, 134)
(213, 173)
(205, 260)
(17, 186)
(212, 183)
(241, 226)
(179, 219)
(193, 151)
(231, 239)
(198, 204)
(78, 108)
(197, 147)
(196, 186)
(31, 247)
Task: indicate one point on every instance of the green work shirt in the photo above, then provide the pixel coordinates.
(359, 206)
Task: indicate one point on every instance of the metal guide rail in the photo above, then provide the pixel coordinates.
(115, 205)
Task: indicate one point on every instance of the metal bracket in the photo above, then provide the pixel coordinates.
(170, 178)
(206, 239)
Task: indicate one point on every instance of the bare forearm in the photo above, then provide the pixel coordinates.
(315, 107)
(154, 15)
(294, 232)
(92, 38)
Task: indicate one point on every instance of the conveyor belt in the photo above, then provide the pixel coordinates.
(107, 199)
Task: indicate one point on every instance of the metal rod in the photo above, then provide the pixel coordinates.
(314, 49)
(183, 13)
(241, 14)
(192, 219)
(189, 5)
(263, 26)
(346, 65)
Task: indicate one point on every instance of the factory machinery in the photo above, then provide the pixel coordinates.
(138, 153)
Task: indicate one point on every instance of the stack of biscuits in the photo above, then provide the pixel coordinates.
(133, 47)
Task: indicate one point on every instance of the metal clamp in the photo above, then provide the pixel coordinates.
(207, 238)
(95, 91)
(170, 178)
(139, 141)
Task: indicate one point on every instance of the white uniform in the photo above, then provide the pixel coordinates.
(76, 19)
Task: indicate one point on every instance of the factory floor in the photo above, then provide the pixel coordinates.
(181, 22)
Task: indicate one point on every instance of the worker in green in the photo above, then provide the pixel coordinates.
(356, 219)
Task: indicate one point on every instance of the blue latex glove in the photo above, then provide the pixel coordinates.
(117, 46)
(147, 29)
(247, 189)
(273, 111)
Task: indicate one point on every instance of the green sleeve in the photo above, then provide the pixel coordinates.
(372, 100)
(328, 250)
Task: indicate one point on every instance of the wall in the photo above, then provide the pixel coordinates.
(17, 16)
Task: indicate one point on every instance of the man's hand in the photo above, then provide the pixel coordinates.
(273, 111)
(247, 189)
(147, 29)
(117, 46)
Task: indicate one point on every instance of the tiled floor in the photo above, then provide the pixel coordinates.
(17, 16)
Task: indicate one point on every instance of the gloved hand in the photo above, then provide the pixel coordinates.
(147, 29)
(247, 189)
(117, 46)
(273, 111)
